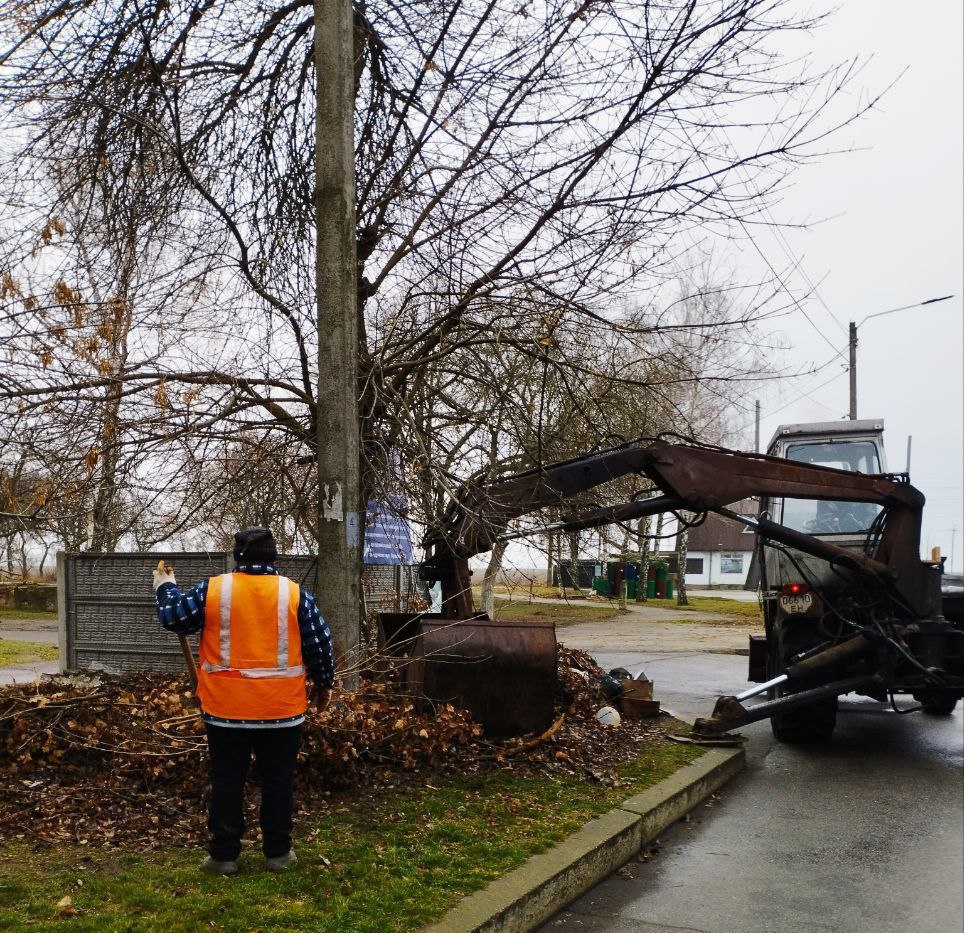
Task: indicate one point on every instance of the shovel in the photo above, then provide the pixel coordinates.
(185, 647)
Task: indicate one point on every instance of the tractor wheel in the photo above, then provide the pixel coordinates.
(936, 703)
(811, 724)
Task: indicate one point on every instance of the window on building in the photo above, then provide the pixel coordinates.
(731, 563)
(693, 565)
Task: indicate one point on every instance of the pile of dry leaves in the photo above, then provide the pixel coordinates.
(122, 761)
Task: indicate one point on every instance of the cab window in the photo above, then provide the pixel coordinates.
(820, 517)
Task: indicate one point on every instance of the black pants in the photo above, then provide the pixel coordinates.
(275, 751)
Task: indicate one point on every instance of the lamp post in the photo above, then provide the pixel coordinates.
(853, 345)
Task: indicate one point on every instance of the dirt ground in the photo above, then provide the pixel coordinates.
(659, 637)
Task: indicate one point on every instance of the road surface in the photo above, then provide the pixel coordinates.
(19, 630)
(862, 836)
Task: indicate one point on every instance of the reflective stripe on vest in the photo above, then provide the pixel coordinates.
(225, 614)
(256, 671)
(283, 622)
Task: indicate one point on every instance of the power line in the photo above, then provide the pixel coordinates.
(797, 264)
(776, 411)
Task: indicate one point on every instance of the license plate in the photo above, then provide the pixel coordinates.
(799, 603)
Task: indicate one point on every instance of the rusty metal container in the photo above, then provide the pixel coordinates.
(397, 631)
(503, 673)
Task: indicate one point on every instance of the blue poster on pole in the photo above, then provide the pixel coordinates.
(388, 539)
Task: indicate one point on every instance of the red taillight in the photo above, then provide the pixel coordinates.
(794, 589)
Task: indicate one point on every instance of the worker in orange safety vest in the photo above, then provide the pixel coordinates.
(262, 639)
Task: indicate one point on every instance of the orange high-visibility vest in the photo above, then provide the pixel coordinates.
(250, 658)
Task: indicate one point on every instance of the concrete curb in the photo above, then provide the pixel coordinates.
(530, 895)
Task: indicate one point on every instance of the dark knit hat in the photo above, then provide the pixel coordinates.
(255, 546)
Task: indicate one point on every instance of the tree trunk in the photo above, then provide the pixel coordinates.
(642, 536)
(488, 581)
(549, 545)
(656, 538)
(43, 559)
(24, 560)
(104, 518)
(682, 545)
(573, 537)
(104, 524)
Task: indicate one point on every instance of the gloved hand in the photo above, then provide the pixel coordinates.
(163, 573)
(320, 696)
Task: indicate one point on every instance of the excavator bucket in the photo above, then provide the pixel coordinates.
(503, 673)
(397, 631)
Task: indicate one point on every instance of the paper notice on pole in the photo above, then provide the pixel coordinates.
(351, 531)
(332, 507)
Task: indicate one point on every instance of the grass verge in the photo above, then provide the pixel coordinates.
(560, 613)
(732, 608)
(569, 613)
(394, 866)
(541, 590)
(25, 652)
(29, 615)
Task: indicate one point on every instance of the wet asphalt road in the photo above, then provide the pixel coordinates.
(25, 673)
(863, 836)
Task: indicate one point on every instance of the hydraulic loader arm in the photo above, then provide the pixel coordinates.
(693, 478)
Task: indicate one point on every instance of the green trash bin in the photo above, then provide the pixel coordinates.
(630, 589)
(650, 589)
(600, 585)
(669, 588)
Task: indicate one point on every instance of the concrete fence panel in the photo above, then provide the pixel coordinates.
(107, 615)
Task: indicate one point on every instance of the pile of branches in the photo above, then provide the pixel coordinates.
(123, 761)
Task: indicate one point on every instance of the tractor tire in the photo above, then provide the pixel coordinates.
(936, 704)
(811, 725)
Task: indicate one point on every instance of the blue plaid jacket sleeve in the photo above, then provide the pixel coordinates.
(316, 646)
(181, 613)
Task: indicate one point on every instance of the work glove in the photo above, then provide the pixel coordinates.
(320, 696)
(163, 573)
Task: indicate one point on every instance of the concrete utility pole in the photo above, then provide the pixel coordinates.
(853, 344)
(853, 371)
(756, 433)
(340, 512)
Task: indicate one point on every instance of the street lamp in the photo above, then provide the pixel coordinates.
(853, 345)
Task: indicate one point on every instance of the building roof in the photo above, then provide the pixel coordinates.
(722, 534)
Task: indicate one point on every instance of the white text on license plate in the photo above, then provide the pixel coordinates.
(800, 603)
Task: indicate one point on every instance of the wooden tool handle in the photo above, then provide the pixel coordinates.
(189, 660)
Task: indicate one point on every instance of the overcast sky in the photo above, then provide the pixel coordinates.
(894, 237)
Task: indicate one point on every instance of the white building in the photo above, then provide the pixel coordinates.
(719, 550)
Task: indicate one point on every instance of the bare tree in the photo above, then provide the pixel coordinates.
(520, 174)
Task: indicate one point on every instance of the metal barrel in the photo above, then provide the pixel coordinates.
(503, 673)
